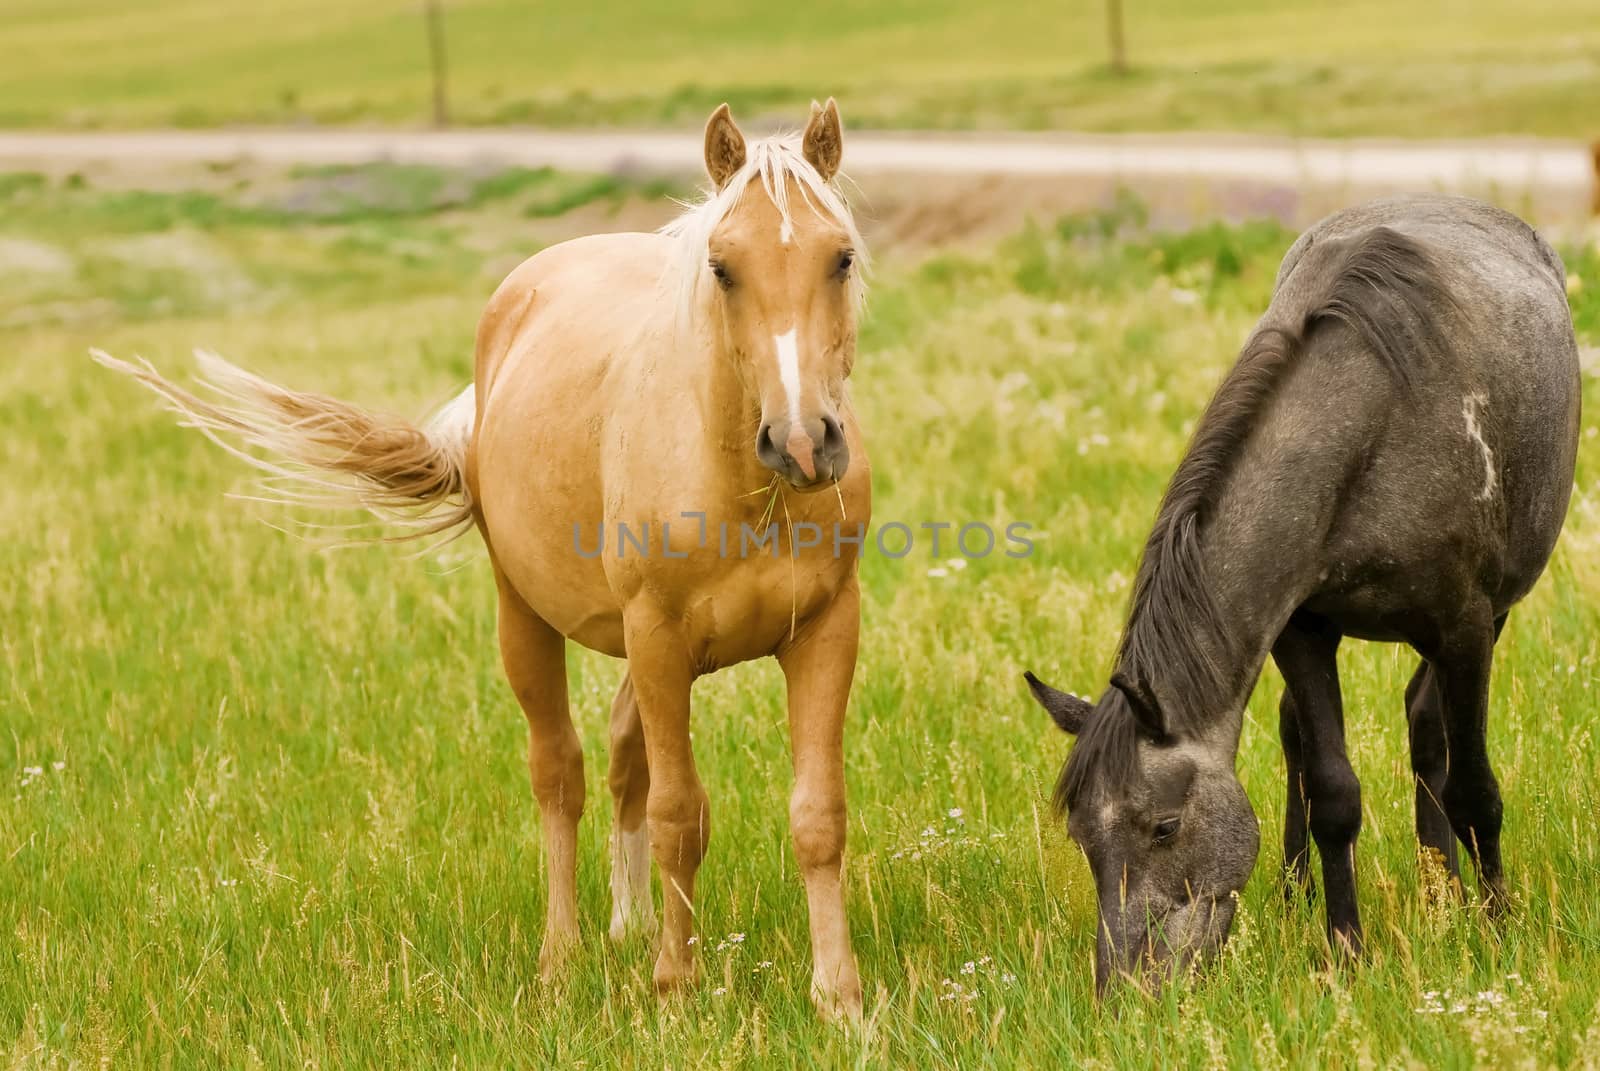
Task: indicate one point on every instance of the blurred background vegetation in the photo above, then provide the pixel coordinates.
(1436, 68)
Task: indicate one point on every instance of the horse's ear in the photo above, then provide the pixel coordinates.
(724, 147)
(823, 143)
(1146, 711)
(1067, 710)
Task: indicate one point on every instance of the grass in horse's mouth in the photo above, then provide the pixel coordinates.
(774, 491)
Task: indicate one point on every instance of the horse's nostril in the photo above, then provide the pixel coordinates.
(768, 449)
(832, 435)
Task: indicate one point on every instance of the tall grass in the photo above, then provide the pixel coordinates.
(265, 806)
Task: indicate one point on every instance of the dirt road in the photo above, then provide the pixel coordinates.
(1551, 181)
(1509, 164)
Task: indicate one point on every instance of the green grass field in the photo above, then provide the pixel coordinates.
(1431, 69)
(265, 806)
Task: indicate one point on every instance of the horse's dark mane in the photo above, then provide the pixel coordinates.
(1383, 287)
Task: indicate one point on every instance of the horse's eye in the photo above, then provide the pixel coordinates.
(1166, 829)
(720, 270)
(846, 260)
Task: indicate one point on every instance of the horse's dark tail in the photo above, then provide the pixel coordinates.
(321, 452)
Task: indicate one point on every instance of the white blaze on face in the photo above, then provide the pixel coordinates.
(789, 371)
(785, 230)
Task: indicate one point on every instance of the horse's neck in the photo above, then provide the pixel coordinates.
(1258, 566)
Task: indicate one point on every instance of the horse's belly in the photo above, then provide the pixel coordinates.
(1368, 615)
(541, 507)
(539, 558)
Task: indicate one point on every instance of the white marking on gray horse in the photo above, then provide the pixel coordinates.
(1470, 404)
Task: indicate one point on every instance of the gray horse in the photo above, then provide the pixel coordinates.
(1390, 458)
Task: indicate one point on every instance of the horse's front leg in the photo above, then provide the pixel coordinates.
(1307, 654)
(1296, 818)
(818, 668)
(677, 811)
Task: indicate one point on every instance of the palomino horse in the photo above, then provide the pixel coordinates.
(1391, 459)
(652, 381)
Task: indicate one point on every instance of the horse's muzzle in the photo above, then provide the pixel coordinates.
(806, 453)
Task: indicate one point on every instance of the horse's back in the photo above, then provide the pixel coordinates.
(1472, 445)
(1448, 222)
(591, 285)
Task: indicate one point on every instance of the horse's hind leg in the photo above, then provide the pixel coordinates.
(535, 664)
(632, 910)
(1307, 654)
(1471, 794)
(1296, 820)
(1429, 763)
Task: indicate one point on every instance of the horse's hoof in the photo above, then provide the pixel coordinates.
(625, 928)
(555, 953)
(1349, 946)
(1297, 891)
(1443, 890)
(1441, 883)
(675, 975)
(842, 1006)
(837, 993)
(1496, 902)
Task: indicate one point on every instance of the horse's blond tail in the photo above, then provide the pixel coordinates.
(320, 452)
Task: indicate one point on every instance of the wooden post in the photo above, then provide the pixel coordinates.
(433, 15)
(1595, 204)
(1114, 36)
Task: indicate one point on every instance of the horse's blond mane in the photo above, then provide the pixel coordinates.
(774, 161)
